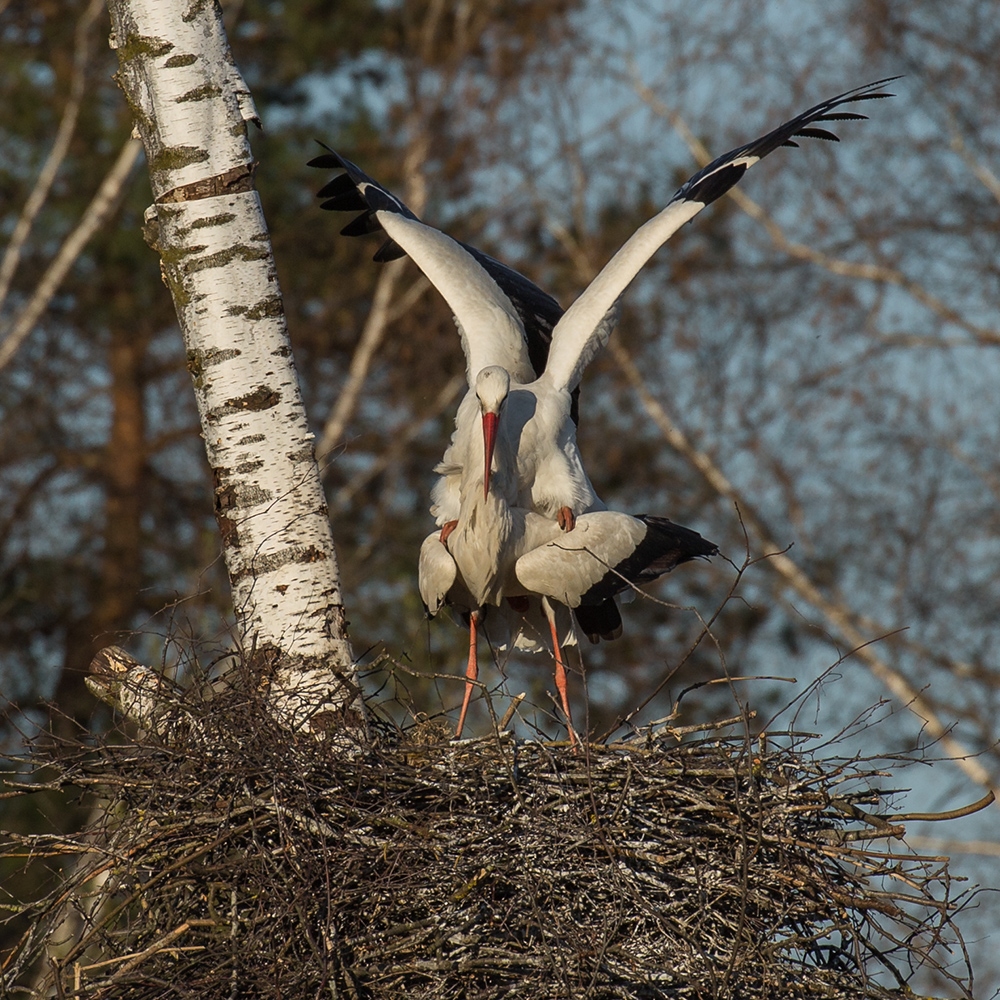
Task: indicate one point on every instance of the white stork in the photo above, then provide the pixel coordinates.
(506, 557)
(606, 553)
(507, 321)
(512, 332)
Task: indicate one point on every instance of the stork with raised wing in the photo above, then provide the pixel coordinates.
(501, 557)
(470, 567)
(507, 321)
(524, 359)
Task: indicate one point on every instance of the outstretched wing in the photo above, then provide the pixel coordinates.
(581, 332)
(505, 319)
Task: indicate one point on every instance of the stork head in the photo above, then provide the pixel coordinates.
(492, 387)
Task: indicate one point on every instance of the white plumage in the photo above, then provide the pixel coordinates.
(607, 552)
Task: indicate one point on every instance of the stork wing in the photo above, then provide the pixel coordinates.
(503, 317)
(582, 330)
(539, 312)
(606, 553)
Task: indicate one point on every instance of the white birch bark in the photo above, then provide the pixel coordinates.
(191, 107)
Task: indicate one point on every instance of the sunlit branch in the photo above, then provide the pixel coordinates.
(64, 134)
(939, 845)
(979, 170)
(371, 337)
(97, 211)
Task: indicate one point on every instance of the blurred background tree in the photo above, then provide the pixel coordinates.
(827, 340)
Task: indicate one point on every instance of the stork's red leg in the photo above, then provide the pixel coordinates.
(471, 672)
(446, 529)
(560, 670)
(566, 518)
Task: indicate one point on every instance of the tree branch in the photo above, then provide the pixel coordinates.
(100, 207)
(371, 337)
(67, 126)
(980, 171)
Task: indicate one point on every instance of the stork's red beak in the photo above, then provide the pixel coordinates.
(489, 443)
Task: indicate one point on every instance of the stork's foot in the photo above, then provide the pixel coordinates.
(566, 518)
(446, 529)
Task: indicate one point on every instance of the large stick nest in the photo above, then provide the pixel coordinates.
(229, 860)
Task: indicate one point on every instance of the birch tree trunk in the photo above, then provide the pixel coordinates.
(191, 107)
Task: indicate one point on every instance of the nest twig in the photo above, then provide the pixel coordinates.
(230, 861)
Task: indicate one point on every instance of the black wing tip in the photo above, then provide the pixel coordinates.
(331, 159)
(718, 177)
(390, 250)
(866, 92)
(362, 225)
(325, 161)
(817, 133)
(863, 92)
(694, 544)
(867, 97)
(844, 116)
(600, 621)
(713, 182)
(354, 191)
(824, 111)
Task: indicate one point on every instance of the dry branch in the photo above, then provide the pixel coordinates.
(60, 147)
(101, 206)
